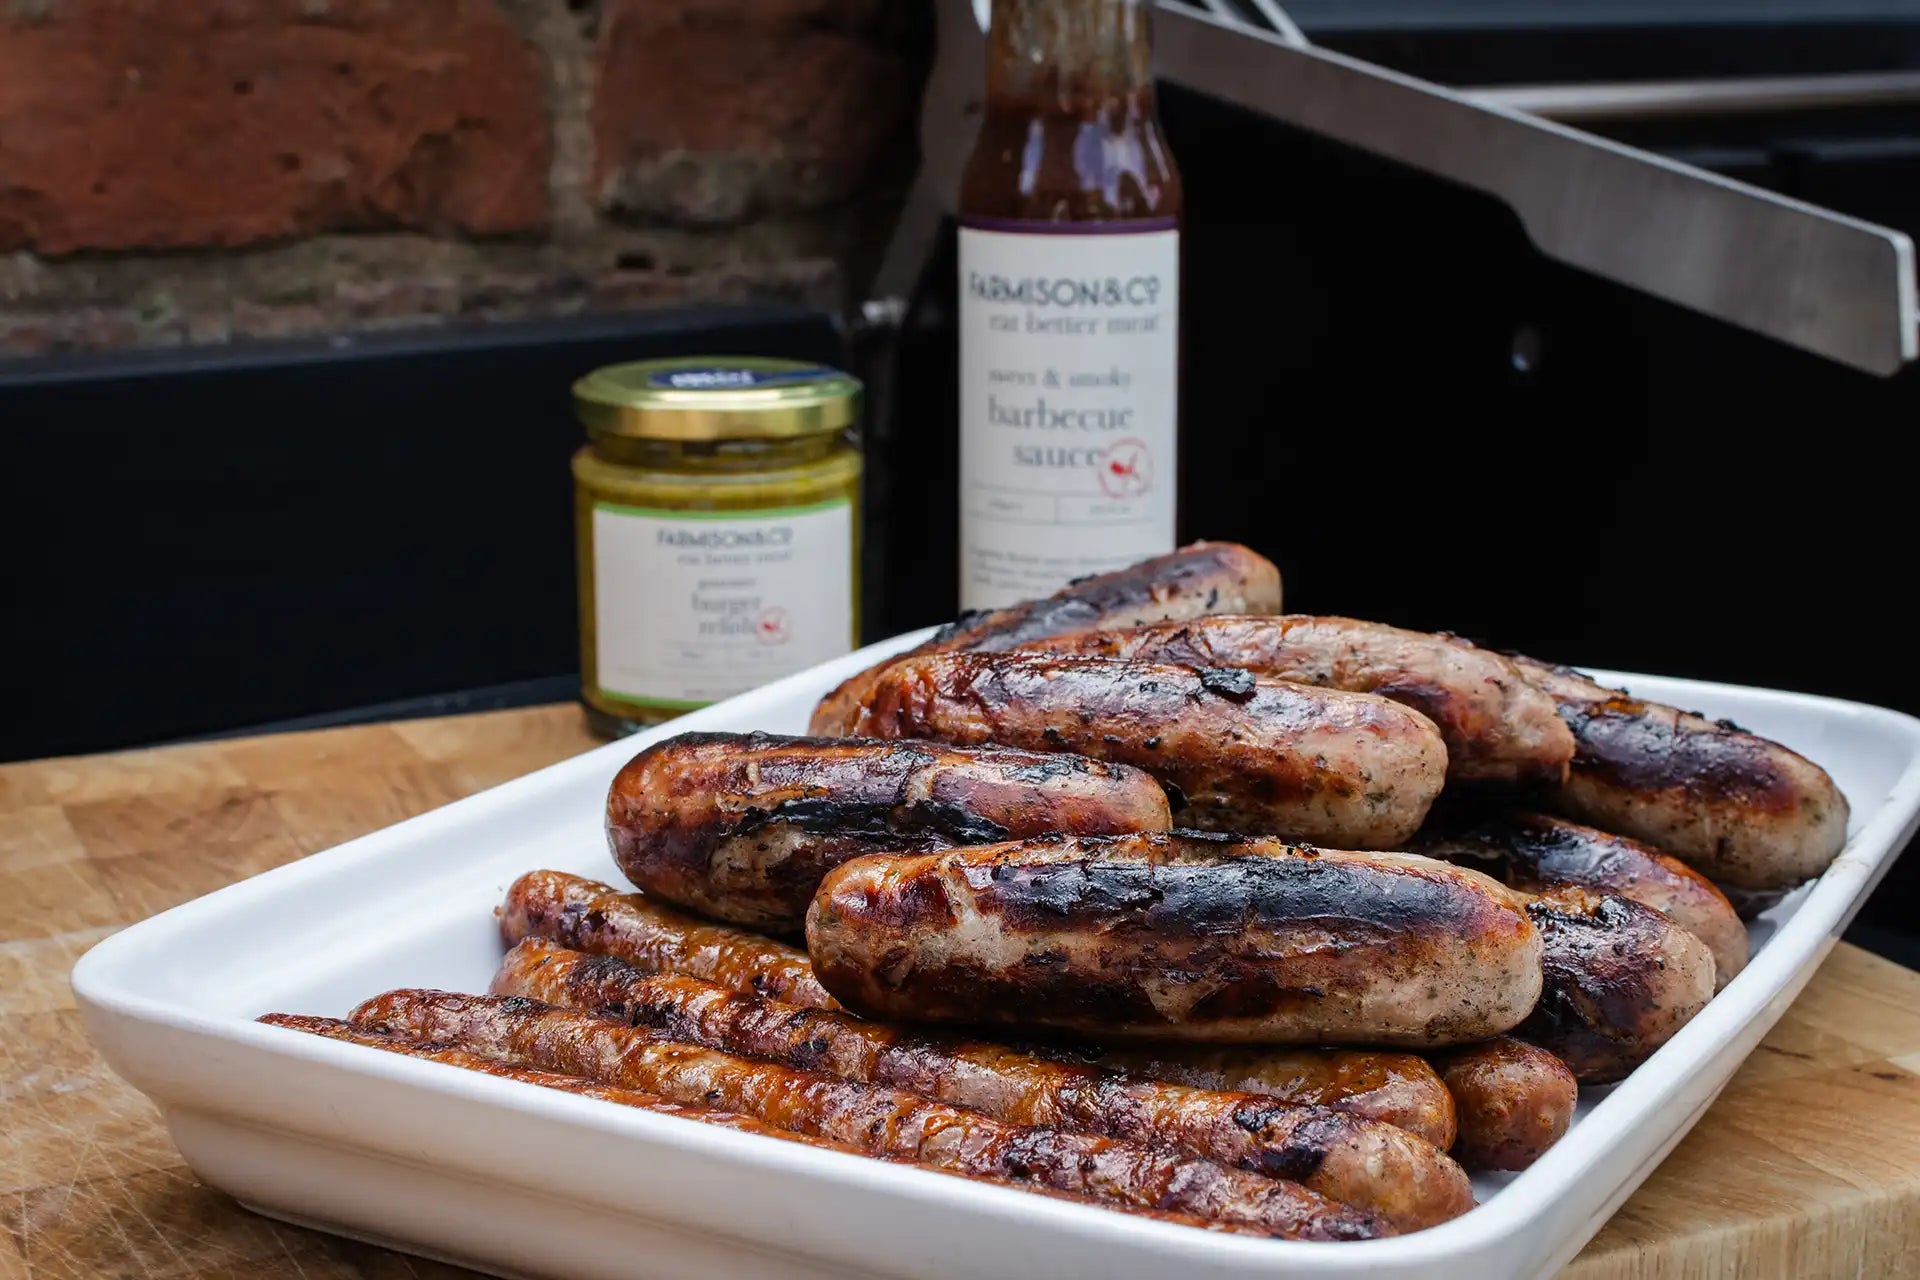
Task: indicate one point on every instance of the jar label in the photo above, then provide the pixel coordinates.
(1068, 383)
(690, 608)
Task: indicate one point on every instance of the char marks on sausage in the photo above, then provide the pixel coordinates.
(1743, 811)
(874, 1120)
(1179, 936)
(1497, 727)
(1195, 580)
(1532, 852)
(1237, 753)
(1364, 1163)
(742, 826)
(1619, 980)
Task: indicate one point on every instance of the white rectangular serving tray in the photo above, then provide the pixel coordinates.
(519, 1180)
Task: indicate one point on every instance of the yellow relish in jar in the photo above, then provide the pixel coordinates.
(717, 523)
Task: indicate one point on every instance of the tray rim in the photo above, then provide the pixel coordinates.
(112, 1005)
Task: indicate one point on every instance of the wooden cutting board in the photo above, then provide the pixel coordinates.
(1808, 1166)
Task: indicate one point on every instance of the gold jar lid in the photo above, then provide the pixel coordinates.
(716, 398)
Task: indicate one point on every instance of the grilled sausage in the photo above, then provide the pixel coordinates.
(1531, 852)
(1363, 1163)
(741, 826)
(1206, 577)
(1395, 1088)
(336, 1029)
(874, 1120)
(437, 1051)
(1619, 980)
(1739, 809)
(589, 916)
(584, 915)
(1515, 1100)
(1497, 727)
(1239, 753)
(1181, 936)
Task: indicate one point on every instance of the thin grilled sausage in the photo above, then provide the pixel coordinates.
(1363, 1163)
(584, 915)
(589, 916)
(742, 826)
(874, 1120)
(336, 1029)
(1532, 852)
(1619, 980)
(1241, 753)
(1497, 727)
(1515, 1100)
(1743, 811)
(439, 1051)
(1206, 577)
(1399, 1089)
(1178, 937)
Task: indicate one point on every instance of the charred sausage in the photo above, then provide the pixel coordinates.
(589, 916)
(1237, 752)
(877, 1121)
(584, 915)
(1181, 936)
(1396, 1088)
(1497, 727)
(336, 1029)
(1363, 1163)
(1619, 980)
(436, 1051)
(1532, 852)
(1206, 577)
(1739, 809)
(742, 826)
(1514, 1099)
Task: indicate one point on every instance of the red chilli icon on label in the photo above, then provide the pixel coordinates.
(773, 626)
(1125, 468)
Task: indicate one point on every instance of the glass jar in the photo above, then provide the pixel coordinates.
(717, 523)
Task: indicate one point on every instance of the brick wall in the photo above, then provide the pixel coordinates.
(196, 170)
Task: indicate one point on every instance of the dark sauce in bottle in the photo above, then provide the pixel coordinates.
(1069, 304)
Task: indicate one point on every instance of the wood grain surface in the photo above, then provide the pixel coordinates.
(1808, 1166)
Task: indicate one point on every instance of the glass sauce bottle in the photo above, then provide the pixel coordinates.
(1069, 305)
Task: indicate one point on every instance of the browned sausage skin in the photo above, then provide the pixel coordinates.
(585, 915)
(1241, 753)
(742, 826)
(1619, 980)
(1359, 1162)
(1497, 727)
(346, 1032)
(1515, 1100)
(1181, 936)
(589, 916)
(1399, 1089)
(1743, 811)
(1206, 577)
(433, 1051)
(877, 1121)
(1531, 852)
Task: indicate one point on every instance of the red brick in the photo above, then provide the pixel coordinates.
(713, 111)
(165, 123)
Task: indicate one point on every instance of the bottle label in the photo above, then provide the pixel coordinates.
(1068, 381)
(690, 608)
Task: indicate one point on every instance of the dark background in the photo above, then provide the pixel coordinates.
(212, 542)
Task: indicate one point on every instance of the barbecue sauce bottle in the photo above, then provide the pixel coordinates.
(1069, 305)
